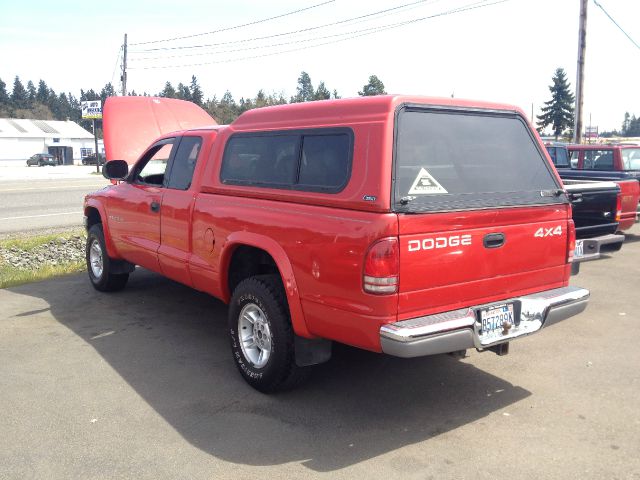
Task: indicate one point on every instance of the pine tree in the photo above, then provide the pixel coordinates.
(31, 94)
(625, 123)
(19, 97)
(304, 89)
(4, 96)
(196, 92)
(106, 92)
(558, 112)
(322, 93)
(374, 87)
(169, 91)
(182, 92)
(42, 95)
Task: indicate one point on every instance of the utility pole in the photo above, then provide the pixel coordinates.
(582, 45)
(95, 139)
(531, 113)
(123, 77)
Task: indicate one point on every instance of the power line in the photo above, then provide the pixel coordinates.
(616, 24)
(236, 26)
(256, 47)
(259, 47)
(471, 6)
(116, 65)
(379, 12)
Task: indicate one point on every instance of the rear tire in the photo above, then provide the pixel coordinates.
(99, 263)
(262, 338)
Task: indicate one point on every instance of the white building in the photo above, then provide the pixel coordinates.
(67, 141)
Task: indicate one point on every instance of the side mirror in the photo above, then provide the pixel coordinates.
(115, 170)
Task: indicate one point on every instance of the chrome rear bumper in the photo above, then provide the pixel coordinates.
(460, 329)
(592, 246)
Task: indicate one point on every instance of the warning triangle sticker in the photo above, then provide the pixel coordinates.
(425, 184)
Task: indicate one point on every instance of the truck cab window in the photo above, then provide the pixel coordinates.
(153, 170)
(184, 163)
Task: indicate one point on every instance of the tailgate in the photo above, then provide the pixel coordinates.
(449, 262)
(595, 206)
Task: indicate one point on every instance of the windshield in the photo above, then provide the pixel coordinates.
(630, 158)
(450, 160)
(558, 156)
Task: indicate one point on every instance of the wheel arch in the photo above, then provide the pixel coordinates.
(94, 213)
(239, 243)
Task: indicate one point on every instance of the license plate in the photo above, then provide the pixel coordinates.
(496, 320)
(579, 250)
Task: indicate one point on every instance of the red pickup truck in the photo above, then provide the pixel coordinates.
(405, 225)
(617, 163)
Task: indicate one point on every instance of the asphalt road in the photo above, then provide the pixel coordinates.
(141, 385)
(41, 204)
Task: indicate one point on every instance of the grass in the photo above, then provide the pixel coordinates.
(11, 276)
(28, 244)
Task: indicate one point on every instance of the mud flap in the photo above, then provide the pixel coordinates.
(311, 351)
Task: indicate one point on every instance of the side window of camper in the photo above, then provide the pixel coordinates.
(311, 160)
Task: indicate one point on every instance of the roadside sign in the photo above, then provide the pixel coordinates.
(591, 132)
(91, 109)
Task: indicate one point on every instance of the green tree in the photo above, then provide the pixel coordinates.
(304, 89)
(19, 96)
(633, 130)
(4, 100)
(106, 92)
(558, 112)
(31, 94)
(195, 91)
(625, 123)
(42, 94)
(169, 91)
(374, 87)
(322, 93)
(182, 92)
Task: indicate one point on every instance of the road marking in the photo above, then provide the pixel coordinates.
(48, 188)
(43, 215)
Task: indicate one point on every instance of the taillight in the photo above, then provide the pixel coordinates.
(571, 240)
(619, 207)
(381, 267)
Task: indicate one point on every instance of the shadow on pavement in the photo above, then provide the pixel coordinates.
(631, 238)
(169, 343)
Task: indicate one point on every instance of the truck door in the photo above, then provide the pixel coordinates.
(134, 215)
(175, 216)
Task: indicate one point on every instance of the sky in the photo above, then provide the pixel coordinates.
(505, 52)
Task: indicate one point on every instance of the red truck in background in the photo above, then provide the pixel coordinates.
(405, 225)
(616, 163)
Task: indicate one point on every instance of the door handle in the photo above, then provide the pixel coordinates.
(493, 240)
(155, 207)
(576, 198)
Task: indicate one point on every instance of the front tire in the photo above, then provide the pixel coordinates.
(99, 263)
(262, 338)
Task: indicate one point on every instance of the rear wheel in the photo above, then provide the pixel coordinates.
(99, 263)
(262, 338)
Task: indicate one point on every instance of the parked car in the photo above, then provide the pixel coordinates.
(91, 159)
(42, 159)
(404, 225)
